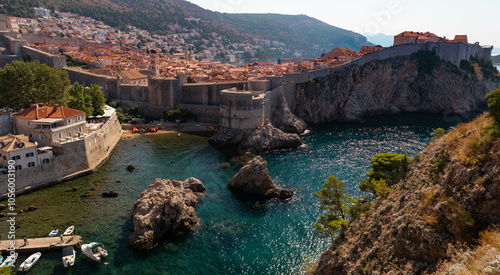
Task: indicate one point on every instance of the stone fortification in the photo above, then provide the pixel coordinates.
(78, 157)
(389, 86)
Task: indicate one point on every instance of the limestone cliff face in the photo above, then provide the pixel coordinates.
(451, 193)
(388, 87)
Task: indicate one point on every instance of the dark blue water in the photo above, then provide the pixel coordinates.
(238, 236)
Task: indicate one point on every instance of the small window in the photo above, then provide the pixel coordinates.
(4, 158)
(45, 161)
(60, 135)
(31, 136)
(69, 120)
(29, 123)
(31, 164)
(29, 155)
(19, 167)
(16, 157)
(40, 137)
(80, 129)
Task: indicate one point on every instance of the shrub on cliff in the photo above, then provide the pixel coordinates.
(494, 106)
(387, 170)
(427, 61)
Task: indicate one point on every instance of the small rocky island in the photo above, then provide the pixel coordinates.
(165, 209)
(254, 178)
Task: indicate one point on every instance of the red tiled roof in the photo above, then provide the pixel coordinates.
(411, 33)
(39, 111)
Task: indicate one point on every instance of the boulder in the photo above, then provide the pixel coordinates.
(110, 194)
(165, 209)
(254, 178)
(131, 168)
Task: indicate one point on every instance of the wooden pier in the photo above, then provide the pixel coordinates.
(41, 244)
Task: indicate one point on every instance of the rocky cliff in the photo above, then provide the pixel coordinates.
(402, 84)
(450, 195)
(165, 209)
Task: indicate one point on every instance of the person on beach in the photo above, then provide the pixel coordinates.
(26, 241)
(62, 238)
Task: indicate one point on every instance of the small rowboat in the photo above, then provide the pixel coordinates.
(28, 263)
(69, 231)
(53, 233)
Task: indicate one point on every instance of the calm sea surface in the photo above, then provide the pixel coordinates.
(238, 236)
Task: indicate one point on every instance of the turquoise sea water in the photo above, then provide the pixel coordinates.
(238, 235)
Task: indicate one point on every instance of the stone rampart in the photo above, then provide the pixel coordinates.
(56, 61)
(74, 159)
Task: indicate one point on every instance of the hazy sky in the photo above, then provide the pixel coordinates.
(478, 19)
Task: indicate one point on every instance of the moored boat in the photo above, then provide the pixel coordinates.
(94, 250)
(53, 233)
(11, 259)
(69, 231)
(28, 263)
(68, 256)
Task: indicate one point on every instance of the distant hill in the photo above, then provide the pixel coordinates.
(496, 59)
(306, 35)
(380, 39)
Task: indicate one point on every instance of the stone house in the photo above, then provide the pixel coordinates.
(47, 124)
(24, 153)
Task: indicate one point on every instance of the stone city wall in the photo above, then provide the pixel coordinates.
(56, 61)
(204, 113)
(74, 159)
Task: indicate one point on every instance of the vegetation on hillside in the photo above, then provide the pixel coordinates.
(427, 61)
(298, 32)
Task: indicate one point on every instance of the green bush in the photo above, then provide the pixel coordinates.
(427, 61)
(439, 132)
(441, 162)
(178, 114)
(387, 170)
(494, 106)
(134, 110)
(468, 67)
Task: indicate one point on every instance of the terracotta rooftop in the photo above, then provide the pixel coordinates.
(12, 142)
(133, 74)
(411, 33)
(39, 111)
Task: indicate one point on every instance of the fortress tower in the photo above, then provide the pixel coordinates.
(154, 63)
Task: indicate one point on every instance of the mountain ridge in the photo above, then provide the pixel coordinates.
(158, 16)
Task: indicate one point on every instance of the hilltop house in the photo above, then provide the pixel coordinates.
(25, 153)
(47, 124)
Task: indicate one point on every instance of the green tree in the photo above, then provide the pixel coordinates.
(387, 170)
(97, 99)
(26, 83)
(335, 205)
(439, 132)
(494, 106)
(90, 99)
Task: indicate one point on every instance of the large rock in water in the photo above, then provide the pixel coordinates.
(165, 209)
(254, 179)
(263, 139)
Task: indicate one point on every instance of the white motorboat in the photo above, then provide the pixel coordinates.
(28, 263)
(68, 256)
(94, 250)
(53, 233)
(11, 259)
(69, 231)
